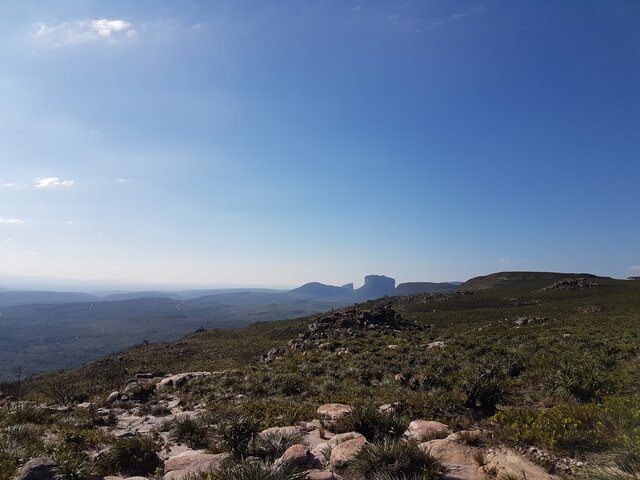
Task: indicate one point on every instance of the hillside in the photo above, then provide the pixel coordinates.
(451, 313)
(538, 373)
(504, 369)
(416, 288)
(519, 281)
(58, 330)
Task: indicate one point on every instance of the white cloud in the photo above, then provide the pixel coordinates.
(11, 221)
(125, 180)
(83, 31)
(52, 182)
(635, 268)
(7, 184)
(69, 222)
(469, 12)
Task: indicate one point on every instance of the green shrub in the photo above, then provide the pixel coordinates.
(141, 391)
(71, 465)
(586, 380)
(395, 458)
(394, 476)
(610, 425)
(292, 384)
(485, 389)
(372, 423)
(235, 433)
(130, 456)
(189, 430)
(26, 413)
(253, 471)
(272, 445)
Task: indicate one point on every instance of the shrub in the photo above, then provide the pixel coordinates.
(293, 385)
(393, 476)
(485, 389)
(141, 391)
(395, 458)
(272, 445)
(253, 471)
(373, 424)
(192, 431)
(71, 466)
(131, 456)
(235, 432)
(612, 424)
(585, 381)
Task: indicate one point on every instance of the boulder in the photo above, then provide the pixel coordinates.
(331, 413)
(421, 429)
(508, 464)
(322, 452)
(113, 396)
(456, 458)
(322, 475)
(314, 437)
(181, 379)
(344, 452)
(390, 408)
(289, 431)
(300, 455)
(37, 469)
(343, 437)
(191, 462)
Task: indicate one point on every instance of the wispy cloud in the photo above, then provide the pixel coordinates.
(7, 184)
(122, 181)
(11, 221)
(467, 13)
(83, 31)
(53, 182)
(635, 268)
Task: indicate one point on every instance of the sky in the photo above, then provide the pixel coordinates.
(280, 142)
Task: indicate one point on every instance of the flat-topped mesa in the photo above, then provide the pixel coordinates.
(376, 286)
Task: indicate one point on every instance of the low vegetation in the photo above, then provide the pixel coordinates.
(537, 361)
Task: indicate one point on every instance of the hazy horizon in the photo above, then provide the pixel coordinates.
(22, 282)
(278, 143)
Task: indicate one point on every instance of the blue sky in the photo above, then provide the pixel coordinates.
(274, 143)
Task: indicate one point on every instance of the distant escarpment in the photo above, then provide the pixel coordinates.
(375, 286)
(317, 289)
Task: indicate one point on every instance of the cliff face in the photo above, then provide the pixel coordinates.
(375, 286)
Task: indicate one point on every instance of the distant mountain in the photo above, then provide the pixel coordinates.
(416, 288)
(52, 330)
(134, 295)
(316, 289)
(11, 298)
(375, 286)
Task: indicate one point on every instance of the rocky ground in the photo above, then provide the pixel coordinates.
(324, 455)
